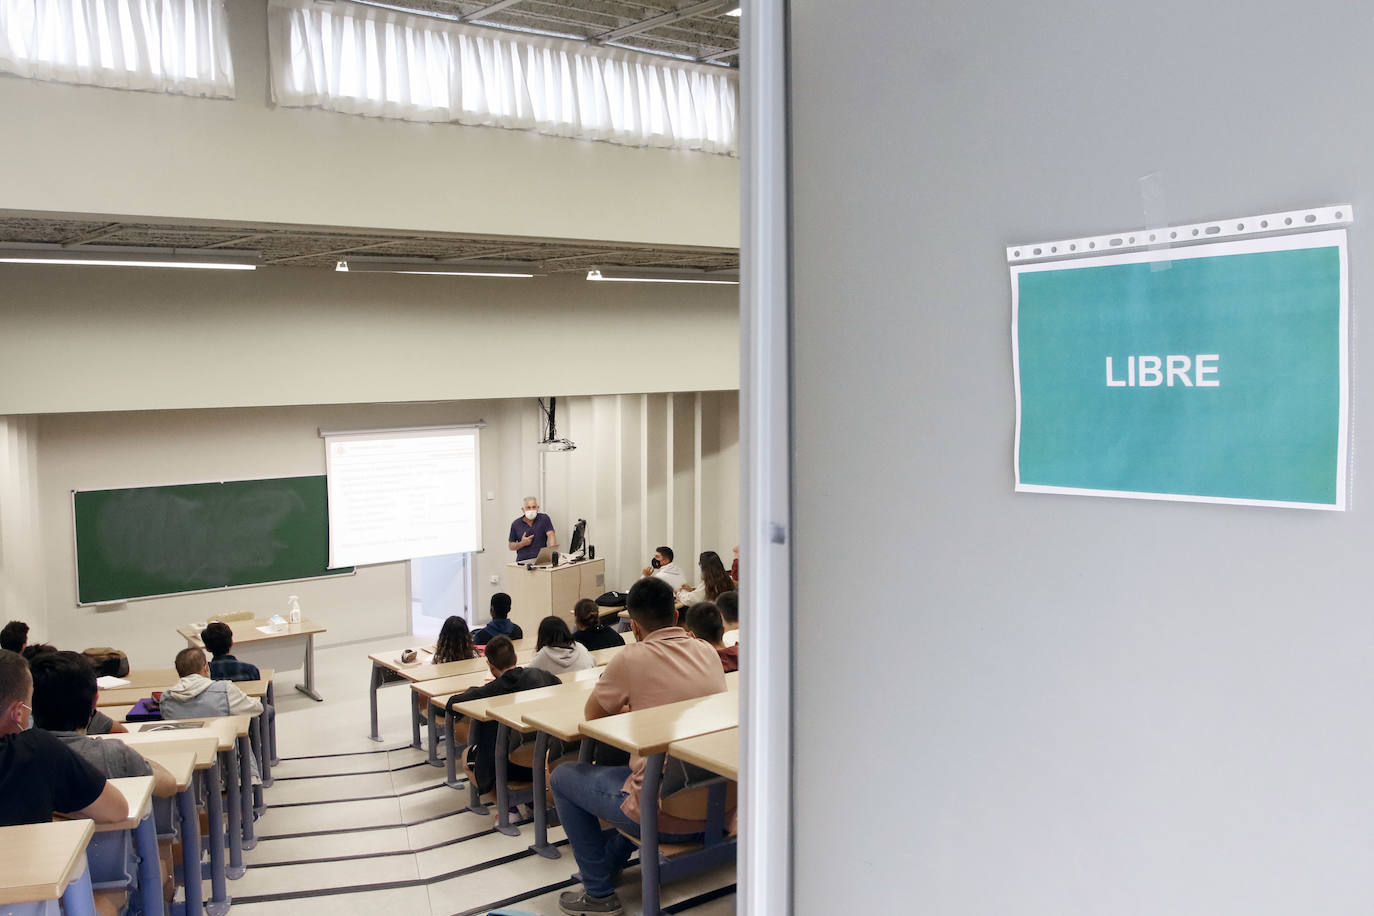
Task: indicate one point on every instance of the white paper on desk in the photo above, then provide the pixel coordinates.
(270, 630)
(106, 682)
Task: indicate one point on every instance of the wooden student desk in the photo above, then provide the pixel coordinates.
(388, 669)
(126, 696)
(648, 734)
(717, 752)
(201, 747)
(138, 794)
(41, 862)
(276, 650)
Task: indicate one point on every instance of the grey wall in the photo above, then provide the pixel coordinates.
(1079, 706)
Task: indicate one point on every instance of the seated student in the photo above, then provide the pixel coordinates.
(728, 605)
(454, 645)
(455, 642)
(661, 566)
(14, 636)
(591, 632)
(39, 775)
(714, 581)
(500, 624)
(508, 678)
(705, 623)
(556, 651)
(219, 639)
(64, 695)
(196, 695)
(666, 665)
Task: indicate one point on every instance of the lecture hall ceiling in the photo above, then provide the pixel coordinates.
(309, 246)
(697, 30)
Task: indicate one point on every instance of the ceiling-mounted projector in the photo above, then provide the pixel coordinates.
(557, 445)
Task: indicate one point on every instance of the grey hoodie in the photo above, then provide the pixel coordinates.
(196, 695)
(556, 660)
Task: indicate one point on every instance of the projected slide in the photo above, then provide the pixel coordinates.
(402, 494)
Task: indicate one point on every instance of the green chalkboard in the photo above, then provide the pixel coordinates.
(149, 541)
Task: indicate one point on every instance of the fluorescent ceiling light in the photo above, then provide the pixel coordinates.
(434, 268)
(94, 256)
(666, 276)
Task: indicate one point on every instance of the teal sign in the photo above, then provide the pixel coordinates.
(1214, 373)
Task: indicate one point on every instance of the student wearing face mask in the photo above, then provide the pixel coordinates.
(531, 532)
(39, 775)
(661, 566)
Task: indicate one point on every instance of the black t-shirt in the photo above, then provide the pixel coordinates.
(40, 775)
(599, 637)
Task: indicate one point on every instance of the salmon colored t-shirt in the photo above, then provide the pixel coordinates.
(667, 666)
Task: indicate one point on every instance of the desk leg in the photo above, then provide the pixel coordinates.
(377, 670)
(450, 751)
(257, 735)
(79, 897)
(149, 866)
(540, 800)
(433, 758)
(190, 850)
(503, 824)
(414, 723)
(246, 791)
(272, 724)
(648, 834)
(308, 688)
(214, 804)
(229, 765)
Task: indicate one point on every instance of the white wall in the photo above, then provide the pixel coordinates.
(1058, 705)
(102, 151)
(142, 448)
(90, 338)
(22, 586)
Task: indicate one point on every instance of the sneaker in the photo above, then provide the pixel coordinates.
(577, 903)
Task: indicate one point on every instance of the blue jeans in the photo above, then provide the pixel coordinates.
(583, 793)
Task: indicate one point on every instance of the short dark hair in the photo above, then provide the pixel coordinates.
(14, 635)
(666, 551)
(14, 679)
(704, 620)
(650, 604)
(501, 653)
(500, 605)
(218, 637)
(190, 661)
(587, 613)
(34, 650)
(63, 691)
(553, 631)
(728, 605)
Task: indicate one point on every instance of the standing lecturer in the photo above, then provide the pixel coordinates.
(531, 532)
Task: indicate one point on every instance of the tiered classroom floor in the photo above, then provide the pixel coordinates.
(353, 826)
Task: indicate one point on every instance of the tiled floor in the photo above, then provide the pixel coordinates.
(371, 829)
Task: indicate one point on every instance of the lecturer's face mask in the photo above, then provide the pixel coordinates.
(531, 514)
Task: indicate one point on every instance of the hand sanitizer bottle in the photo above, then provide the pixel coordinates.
(295, 616)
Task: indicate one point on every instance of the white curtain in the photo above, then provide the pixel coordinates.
(369, 61)
(178, 46)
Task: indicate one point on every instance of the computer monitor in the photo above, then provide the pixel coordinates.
(578, 545)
